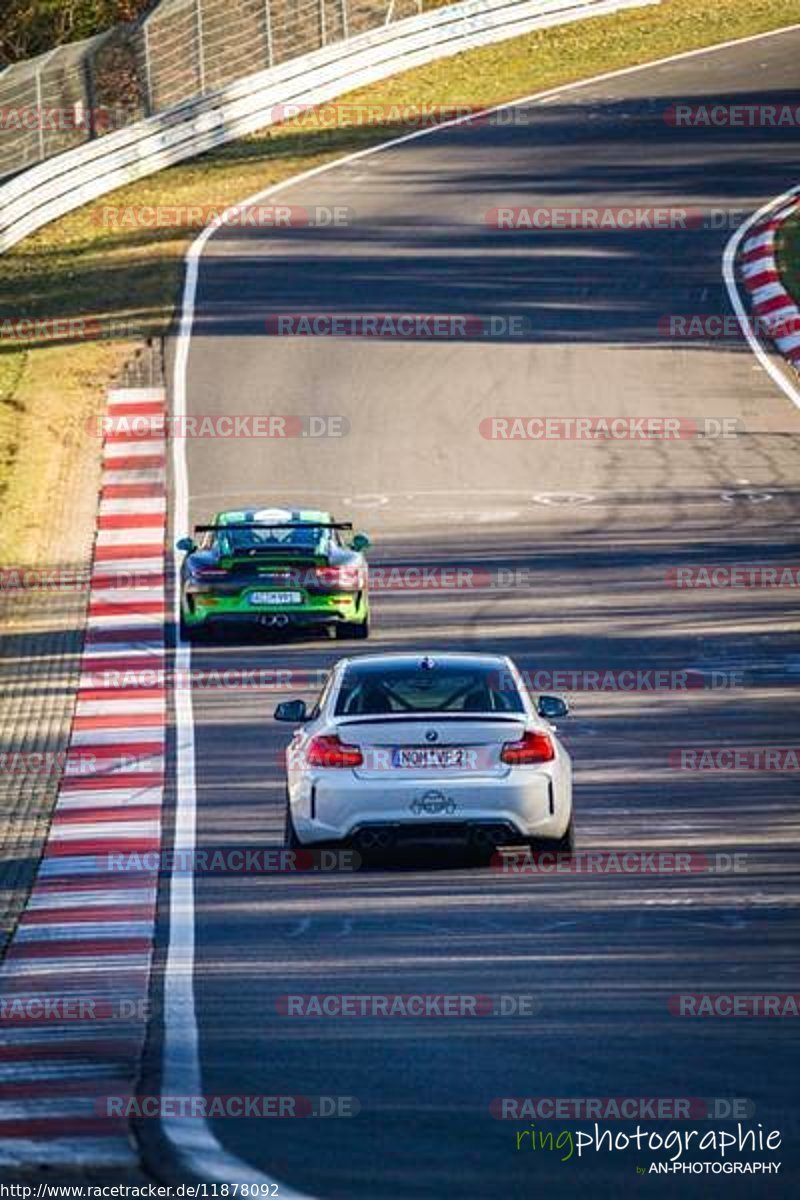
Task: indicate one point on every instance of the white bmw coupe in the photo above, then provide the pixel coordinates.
(439, 747)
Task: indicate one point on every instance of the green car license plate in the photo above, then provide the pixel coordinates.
(275, 598)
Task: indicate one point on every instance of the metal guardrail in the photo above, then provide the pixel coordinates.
(178, 51)
(61, 184)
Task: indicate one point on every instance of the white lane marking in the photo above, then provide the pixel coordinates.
(763, 241)
(104, 831)
(138, 395)
(48, 931)
(61, 1152)
(775, 372)
(747, 497)
(71, 966)
(81, 799)
(133, 504)
(109, 737)
(91, 898)
(118, 704)
(67, 865)
(120, 449)
(562, 499)
(126, 475)
(770, 291)
(152, 646)
(196, 1146)
(367, 500)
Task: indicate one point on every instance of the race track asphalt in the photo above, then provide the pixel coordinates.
(593, 529)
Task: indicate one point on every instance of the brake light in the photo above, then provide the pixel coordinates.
(331, 752)
(339, 577)
(533, 748)
(208, 573)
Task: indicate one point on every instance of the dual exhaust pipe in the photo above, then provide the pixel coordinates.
(375, 839)
(275, 620)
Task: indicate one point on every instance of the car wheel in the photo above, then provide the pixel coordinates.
(566, 843)
(352, 629)
(290, 839)
(191, 633)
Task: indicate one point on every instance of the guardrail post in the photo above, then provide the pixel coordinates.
(201, 62)
(89, 92)
(150, 104)
(345, 28)
(323, 37)
(268, 21)
(40, 114)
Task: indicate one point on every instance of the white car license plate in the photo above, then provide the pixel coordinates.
(429, 756)
(275, 598)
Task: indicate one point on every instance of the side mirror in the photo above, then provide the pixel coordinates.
(360, 542)
(292, 710)
(551, 707)
(187, 544)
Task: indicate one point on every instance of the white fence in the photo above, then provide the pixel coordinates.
(65, 182)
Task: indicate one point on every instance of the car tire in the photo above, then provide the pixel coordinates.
(566, 843)
(290, 839)
(352, 629)
(192, 633)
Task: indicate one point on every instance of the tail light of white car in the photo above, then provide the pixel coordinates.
(532, 748)
(331, 751)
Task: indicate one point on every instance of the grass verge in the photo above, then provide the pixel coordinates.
(128, 278)
(788, 253)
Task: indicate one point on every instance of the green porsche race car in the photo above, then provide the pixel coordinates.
(274, 567)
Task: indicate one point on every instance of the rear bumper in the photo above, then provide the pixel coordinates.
(207, 608)
(525, 804)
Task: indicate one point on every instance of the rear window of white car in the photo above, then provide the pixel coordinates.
(370, 690)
